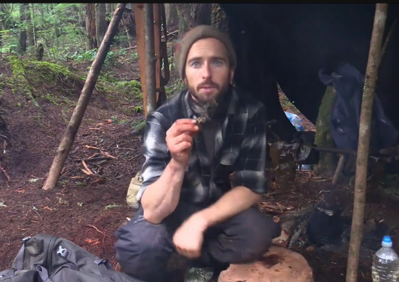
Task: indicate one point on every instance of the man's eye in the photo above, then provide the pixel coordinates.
(195, 64)
(218, 63)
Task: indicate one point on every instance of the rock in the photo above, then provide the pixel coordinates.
(278, 265)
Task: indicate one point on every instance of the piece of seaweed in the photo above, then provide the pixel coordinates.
(205, 116)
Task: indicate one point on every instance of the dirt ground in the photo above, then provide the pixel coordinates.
(88, 209)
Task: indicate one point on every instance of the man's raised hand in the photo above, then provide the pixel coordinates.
(179, 139)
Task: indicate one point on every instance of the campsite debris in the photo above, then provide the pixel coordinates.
(86, 172)
(99, 231)
(87, 168)
(278, 208)
(91, 147)
(5, 173)
(92, 242)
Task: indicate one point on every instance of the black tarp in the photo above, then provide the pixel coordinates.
(345, 115)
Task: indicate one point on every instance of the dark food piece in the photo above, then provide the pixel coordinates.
(208, 107)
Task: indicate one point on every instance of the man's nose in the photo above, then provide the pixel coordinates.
(206, 71)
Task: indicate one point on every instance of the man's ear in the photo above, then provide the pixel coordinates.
(232, 71)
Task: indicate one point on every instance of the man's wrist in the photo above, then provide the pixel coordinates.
(176, 166)
(203, 219)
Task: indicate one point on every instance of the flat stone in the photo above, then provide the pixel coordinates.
(279, 264)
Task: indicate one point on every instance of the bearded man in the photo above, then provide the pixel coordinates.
(204, 170)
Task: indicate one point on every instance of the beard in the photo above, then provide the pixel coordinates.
(204, 98)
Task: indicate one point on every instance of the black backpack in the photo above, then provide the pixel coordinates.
(46, 258)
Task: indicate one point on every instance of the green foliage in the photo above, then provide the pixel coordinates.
(130, 87)
(90, 55)
(56, 26)
(175, 87)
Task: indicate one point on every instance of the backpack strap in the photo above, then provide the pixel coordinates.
(43, 273)
(19, 259)
(102, 266)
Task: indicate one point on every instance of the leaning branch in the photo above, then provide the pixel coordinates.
(77, 115)
(364, 141)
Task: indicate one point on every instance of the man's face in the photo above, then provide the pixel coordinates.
(208, 72)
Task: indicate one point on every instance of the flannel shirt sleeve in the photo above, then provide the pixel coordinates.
(155, 151)
(249, 170)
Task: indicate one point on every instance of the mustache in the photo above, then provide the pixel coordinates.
(207, 83)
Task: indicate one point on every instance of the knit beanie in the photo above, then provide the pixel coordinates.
(200, 32)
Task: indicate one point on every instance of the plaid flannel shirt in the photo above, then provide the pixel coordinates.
(240, 149)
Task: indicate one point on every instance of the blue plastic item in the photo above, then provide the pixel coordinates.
(295, 121)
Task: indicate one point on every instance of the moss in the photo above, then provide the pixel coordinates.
(132, 87)
(51, 72)
(37, 79)
(323, 137)
(19, 81)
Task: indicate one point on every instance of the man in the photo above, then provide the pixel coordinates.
(188, 203)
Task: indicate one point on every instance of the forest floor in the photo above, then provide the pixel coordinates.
(36, 102)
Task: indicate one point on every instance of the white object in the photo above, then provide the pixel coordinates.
(385, 263)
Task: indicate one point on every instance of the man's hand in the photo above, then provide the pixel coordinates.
(189, 237)
(179, 139)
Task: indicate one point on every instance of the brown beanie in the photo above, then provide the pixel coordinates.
(200, 32)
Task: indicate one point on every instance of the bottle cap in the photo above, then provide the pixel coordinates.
(386, 241)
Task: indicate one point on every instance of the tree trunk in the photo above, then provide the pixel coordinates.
(364, 141)
(81, 19)
(33, 23)
(101, 22)
(108, 8)
(29, 25)
(91, 26)
(201, 13)
(327, 161)
(172, 18)
(193, 14)
(186, 21)
(219, 18)
(42, 11)
(1, 24)
(84, 98)
(22, 33)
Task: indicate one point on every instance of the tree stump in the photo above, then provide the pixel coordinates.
(278, 264)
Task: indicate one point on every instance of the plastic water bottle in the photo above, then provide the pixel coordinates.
(385, 263)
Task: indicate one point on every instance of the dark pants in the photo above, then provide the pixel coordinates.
(143, 249)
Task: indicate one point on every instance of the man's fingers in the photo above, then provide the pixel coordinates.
(185, 128)
(184, 145)
(188, 254)
(182, 138)
(185, 121)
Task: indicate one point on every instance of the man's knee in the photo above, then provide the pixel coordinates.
(262, 228)
(255, 231)
(141, 245)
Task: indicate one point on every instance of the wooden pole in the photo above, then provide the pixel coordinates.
(364, 141)
(77, 115)
(150, 57)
